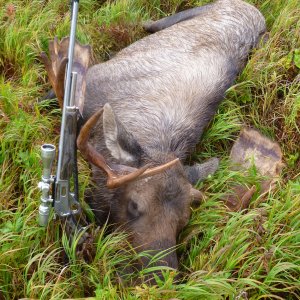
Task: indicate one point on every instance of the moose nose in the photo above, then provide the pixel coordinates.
(170, 260)
(165, 248)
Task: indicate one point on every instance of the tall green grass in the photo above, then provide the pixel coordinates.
(254, 254)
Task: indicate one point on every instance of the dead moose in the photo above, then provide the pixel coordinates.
(146, 109)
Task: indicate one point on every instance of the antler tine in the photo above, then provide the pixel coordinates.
(55, 66)
(48, 66)
(122, 179)
(159, 169)
(140, 173)
(60, 80)
(55, 45)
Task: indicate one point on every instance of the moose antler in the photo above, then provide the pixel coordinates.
(56, 65)
(93, 156)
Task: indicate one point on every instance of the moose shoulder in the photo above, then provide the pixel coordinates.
(156, 97)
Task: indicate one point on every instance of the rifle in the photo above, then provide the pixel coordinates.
(61, 191)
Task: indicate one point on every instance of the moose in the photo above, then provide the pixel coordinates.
(145, 110)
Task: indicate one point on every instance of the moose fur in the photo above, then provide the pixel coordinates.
(158, 95)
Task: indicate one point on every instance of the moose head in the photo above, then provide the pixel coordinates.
(153, 201)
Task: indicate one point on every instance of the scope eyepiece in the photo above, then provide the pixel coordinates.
(44, 212)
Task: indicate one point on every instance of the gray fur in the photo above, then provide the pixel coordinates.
(162, 91)
(166, 87)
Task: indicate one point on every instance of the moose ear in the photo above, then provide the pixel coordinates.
(199, 172)
(119, 142)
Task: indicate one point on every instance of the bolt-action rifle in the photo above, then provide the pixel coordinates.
(61, 191)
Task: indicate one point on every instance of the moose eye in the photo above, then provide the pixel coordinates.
(133, 210)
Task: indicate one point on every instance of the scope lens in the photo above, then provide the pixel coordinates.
(48, 147)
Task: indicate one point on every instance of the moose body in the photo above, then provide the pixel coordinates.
(158, 95)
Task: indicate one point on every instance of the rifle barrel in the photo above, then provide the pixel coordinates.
(67, 86)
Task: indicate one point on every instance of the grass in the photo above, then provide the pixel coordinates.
(253, 254)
